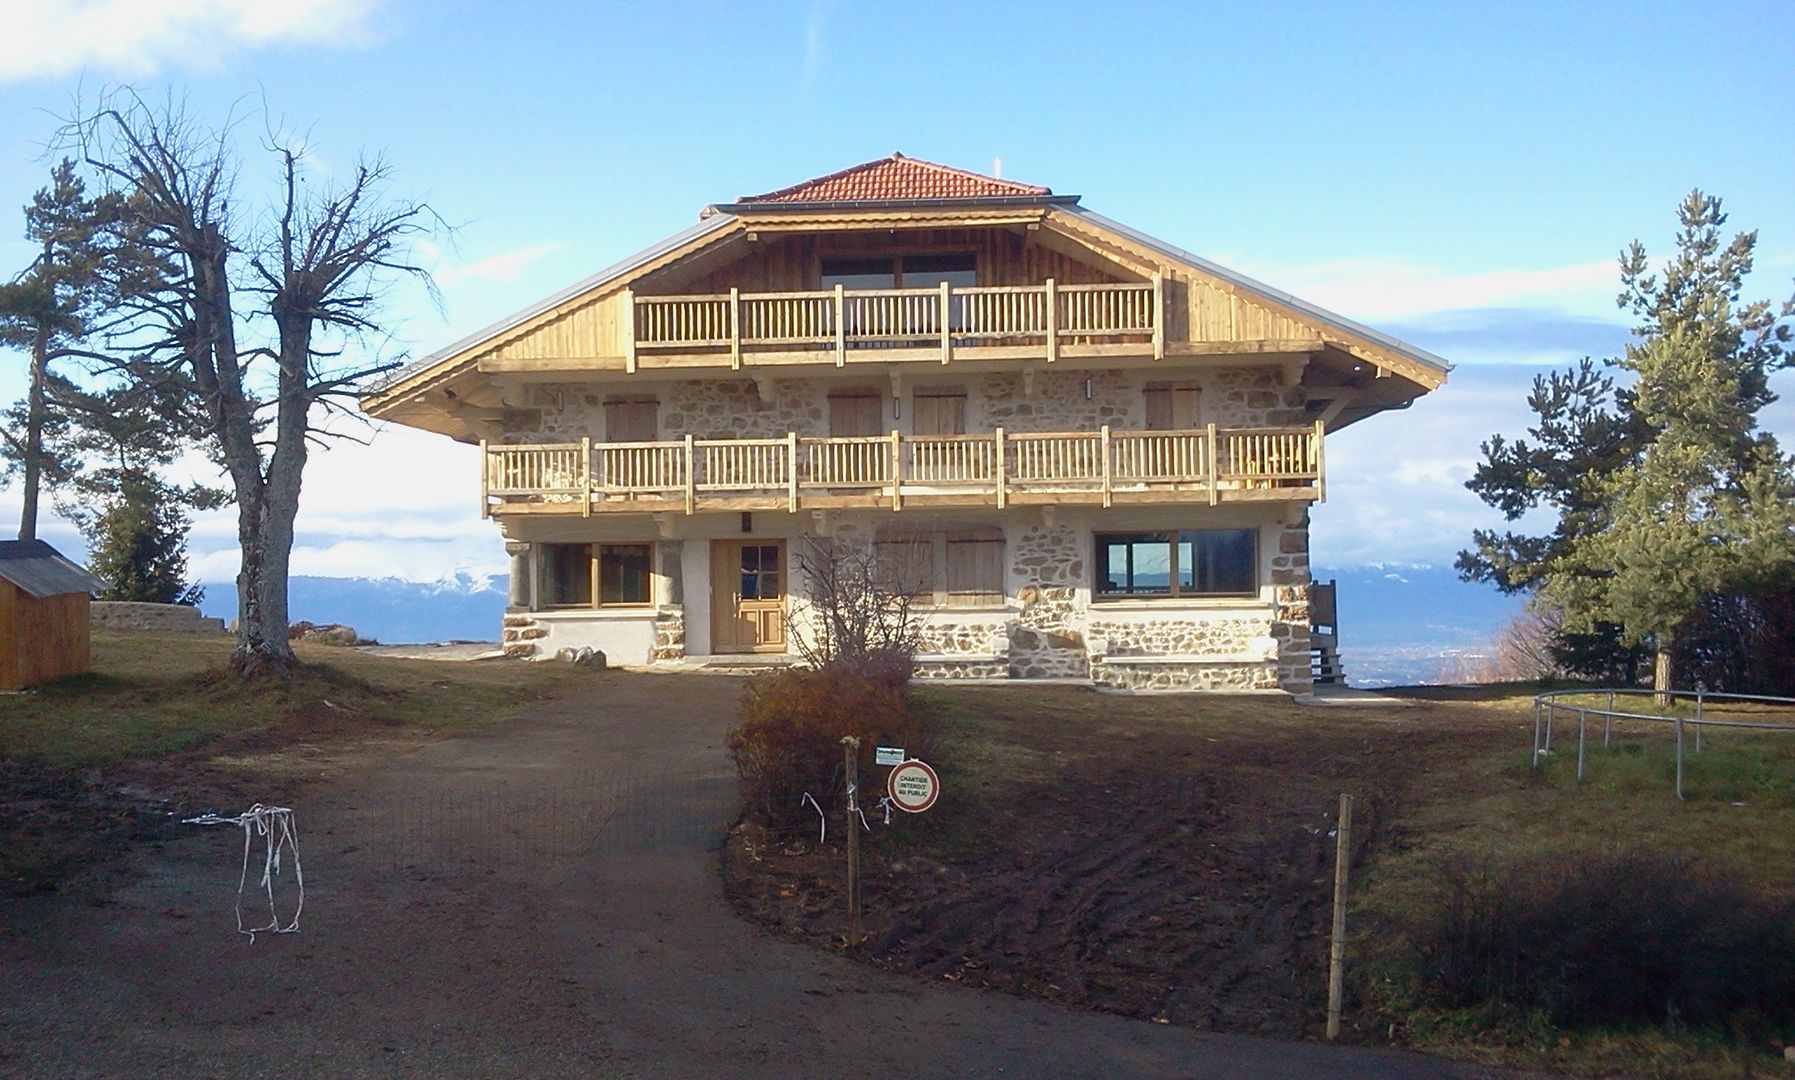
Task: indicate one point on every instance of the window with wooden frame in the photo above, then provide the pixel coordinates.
(1191, 563)
(595, 575)
(939, 412)
(854, 413)
(632, 419)
(1172, 408)
(959, 269)
(957, 568)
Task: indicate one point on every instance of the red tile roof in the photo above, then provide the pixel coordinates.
(898, 177)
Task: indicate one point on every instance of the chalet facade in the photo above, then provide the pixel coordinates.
(1092, 454)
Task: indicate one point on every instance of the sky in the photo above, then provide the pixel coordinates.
(1460, 175)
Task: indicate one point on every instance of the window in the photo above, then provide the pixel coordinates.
(854, 413)
(1200, 562)
(959, 270)
(961, 568)
(632, 419)
(1172, 408)
(940, 412)
(621, 573)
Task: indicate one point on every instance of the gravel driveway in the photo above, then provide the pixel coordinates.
(539, 898)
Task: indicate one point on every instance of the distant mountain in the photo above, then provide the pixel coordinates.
(1404, 625)
(389, 610)
(1399, 624)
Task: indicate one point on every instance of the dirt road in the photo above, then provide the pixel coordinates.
(540, 898)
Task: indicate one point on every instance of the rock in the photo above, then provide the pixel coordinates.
(323, 633)
(583, 656)
(1789, 1054)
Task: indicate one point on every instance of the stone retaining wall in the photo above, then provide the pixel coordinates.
(168, 618)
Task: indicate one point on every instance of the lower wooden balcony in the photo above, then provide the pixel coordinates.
(1103, 467)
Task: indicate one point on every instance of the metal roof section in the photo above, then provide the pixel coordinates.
(610, 273)
(1322, 315)
(42, 571)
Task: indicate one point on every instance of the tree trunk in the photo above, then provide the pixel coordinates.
(34, 432)
(265, 530)
(1661, 671)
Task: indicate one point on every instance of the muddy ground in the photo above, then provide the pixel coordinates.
(1175, 865)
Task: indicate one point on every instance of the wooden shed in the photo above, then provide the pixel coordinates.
(44, 599)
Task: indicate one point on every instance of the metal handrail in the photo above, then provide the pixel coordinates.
(1546, 707)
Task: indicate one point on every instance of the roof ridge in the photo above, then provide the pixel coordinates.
(1000, 185)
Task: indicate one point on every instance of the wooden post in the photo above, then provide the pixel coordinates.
(586, 476)
(1159, 315)
(485, 480)
(947, 342)
(791, 475)
(1103, 438)
(1053, 321)
(1215, 457)
(1337, 945)
(691, 476)
(841, 328)
(735, 328)
(1321, 471)
(1003, 471)
(897, 470)
(850, 746)
(629, 331)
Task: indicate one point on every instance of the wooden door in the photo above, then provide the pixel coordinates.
(748, 596)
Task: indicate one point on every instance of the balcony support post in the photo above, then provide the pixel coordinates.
(947, 342)
(629, 331)
(586, 476)
(841, 327)
(485, 481)
(1213, 466)
(691, 476)
(1103, 449)
(735, 328)
(1159, 315)
(897, 469)
(791, 472)
(1320, 456)
(1053, 321)
(1003, 472)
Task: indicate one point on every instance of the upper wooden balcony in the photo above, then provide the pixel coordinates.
(940, 323)
(1103, 467)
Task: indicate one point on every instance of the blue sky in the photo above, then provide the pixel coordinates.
(1460, 175)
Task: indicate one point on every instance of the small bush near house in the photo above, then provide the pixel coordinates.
(788, 742)
(1583, 940)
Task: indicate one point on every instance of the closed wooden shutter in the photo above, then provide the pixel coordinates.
(632, 419)
(974, 568)
(940, 413)
(854, 414)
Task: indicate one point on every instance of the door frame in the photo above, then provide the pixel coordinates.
(726, 615)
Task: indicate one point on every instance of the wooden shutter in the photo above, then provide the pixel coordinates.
(940, 413)
(854, 414)
(975, 568)
(632, 419)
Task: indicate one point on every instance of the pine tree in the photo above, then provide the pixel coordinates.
(1667, 492)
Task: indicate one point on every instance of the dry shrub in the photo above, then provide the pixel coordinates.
(788, 742)
(1640, 937)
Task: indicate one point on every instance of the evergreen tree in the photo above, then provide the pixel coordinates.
(137, 544)
(1667, 492)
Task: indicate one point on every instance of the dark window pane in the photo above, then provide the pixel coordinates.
(566, 574)
(1135, 565)
(1223, 560)
(623, 574)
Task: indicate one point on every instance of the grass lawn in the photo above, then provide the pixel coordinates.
(151, 694)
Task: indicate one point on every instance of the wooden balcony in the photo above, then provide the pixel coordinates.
(1103, 467)
(844, 325)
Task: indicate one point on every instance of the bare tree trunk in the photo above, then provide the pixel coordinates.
(265, 531)
(34, 432)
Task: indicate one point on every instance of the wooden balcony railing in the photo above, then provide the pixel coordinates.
(1101, 467)
(841, 322)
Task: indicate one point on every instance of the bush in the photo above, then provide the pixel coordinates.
(1592, 939)
(788, 741)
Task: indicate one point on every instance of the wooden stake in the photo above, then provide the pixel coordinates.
(851, 762)
(1337, 948)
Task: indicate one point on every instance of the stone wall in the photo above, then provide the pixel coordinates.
(1290, 619)
(1190, 635)
(169, 618)
(669, 635)
(1047, 567)
(950, 668)
(521, 635)
(1058, 402)
(1245, 397)
(1223, 677)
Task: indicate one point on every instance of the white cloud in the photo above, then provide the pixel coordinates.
(504, 268)
(136, 38)
(1371, 289)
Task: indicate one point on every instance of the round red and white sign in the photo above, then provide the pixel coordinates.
(913, 787)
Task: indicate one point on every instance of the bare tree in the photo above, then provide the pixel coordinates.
(1525, 643)
(860, 613)
(306, 279)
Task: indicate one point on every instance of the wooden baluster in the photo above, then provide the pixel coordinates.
(947, 344)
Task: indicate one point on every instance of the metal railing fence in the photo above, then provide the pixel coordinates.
(1548, 706)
